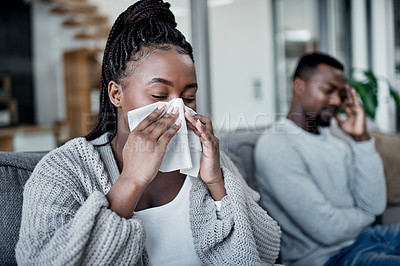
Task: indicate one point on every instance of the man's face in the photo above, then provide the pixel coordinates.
(323, 94)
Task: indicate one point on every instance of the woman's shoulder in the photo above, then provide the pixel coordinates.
(75, 161)
(75, 150)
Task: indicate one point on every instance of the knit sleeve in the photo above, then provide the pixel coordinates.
(244, 235)
(67, 223)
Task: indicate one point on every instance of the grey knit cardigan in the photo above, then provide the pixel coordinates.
(66, 219)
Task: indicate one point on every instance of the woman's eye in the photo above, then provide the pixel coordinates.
(189, 100)
(159, 96)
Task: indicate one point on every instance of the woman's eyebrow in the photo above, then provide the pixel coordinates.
(192, 85)
(169, 83)
(160, 80)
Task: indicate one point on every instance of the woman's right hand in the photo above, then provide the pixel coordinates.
(146, 145)
(142, 156)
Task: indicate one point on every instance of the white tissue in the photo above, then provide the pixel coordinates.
(184, 150)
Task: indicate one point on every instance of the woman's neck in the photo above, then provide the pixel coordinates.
(117, 146)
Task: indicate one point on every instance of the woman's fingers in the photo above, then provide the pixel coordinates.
(199, 128)
(192, 123)
(210, 170)
(193, 128)
(158, 127)
(166, 137)
(151, 118)
(206, 121)
(207, 138)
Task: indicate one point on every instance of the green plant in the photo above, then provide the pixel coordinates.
(366, 84)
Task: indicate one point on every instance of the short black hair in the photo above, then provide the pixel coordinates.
(309, 62)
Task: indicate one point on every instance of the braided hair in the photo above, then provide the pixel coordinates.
(146, 25)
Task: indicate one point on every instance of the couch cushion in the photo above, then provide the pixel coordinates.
(15, 169)
(239, 146)
(388, 146)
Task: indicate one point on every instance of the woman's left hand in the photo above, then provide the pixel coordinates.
(210, 169)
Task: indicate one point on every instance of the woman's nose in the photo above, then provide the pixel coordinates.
(173, 96)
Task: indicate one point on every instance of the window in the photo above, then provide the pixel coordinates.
(302, 26)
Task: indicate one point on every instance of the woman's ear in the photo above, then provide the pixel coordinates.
(298, 87)
(115, 93)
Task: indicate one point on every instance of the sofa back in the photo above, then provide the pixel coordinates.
(239, 146)
(15, 169)
(388, 146)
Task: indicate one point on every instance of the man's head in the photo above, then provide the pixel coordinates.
(319, 87)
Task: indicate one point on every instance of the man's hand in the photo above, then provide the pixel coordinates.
(354, 124)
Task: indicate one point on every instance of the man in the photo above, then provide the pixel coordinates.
(323, 190)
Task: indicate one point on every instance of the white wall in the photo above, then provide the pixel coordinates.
(242, 71)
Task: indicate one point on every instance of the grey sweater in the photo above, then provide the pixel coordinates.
(66, 219)
(322, 190)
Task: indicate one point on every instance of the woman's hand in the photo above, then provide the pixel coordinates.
(210, 169)
(354, 124)
(142, 156)
(146, 145)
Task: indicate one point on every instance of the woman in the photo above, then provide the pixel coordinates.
(102, 200)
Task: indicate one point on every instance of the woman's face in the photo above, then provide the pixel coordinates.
(160, 75)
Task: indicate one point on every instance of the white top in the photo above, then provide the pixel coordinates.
(169, 239)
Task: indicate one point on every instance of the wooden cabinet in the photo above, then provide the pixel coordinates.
(82, 89)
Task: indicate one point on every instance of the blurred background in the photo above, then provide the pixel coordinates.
(245, 54)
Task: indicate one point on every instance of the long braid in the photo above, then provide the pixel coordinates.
(147, 23)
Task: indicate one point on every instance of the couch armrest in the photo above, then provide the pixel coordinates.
(15, 169)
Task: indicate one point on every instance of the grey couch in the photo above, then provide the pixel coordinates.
(15, 169)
